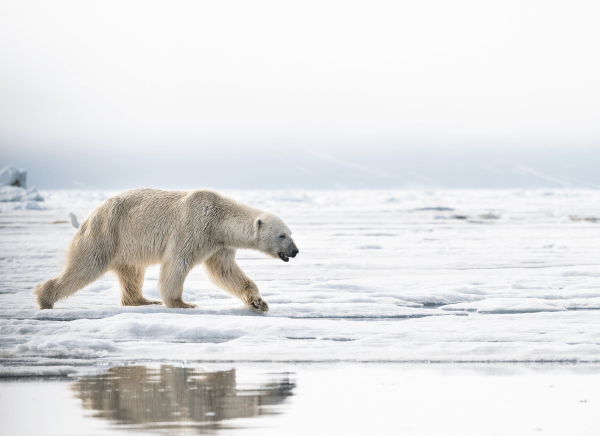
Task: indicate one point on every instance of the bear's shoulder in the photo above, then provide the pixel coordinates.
(206, 196)
(219, 204)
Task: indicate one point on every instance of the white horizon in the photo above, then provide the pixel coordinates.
(100, 84)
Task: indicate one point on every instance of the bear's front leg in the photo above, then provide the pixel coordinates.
(223, 270)
(170, 284)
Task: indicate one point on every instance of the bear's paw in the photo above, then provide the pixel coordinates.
(258, 304)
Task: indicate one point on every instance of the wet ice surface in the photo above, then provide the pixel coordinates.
(162, 399)
(443, 276)
(300, 399)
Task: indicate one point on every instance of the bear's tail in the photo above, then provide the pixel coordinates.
(73, 219)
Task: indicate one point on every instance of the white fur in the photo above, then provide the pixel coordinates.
(179, 230)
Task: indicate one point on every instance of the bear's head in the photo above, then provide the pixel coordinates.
(274, 237)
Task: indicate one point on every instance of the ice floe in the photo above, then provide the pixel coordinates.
(376, 280)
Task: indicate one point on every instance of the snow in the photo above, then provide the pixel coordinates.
(14, 193)
(378, 278)
(36, 371)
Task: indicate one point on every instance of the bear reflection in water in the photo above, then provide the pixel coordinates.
(138, 395)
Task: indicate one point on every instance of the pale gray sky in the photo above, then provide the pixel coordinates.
(301, 94)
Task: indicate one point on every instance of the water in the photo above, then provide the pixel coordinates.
(291, 399)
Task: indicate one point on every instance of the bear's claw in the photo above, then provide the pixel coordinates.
(259, 304)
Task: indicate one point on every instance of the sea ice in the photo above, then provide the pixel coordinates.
(11, 176)
(376, 280)
(13, 188)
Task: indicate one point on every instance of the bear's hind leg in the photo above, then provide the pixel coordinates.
(170, 283)
(88, 257)
(131, 279)
(75, 277)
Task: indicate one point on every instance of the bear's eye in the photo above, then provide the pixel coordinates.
(282, 236)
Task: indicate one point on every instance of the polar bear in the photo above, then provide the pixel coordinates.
(179, 230)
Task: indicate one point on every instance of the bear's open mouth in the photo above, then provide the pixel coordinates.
(283, 257)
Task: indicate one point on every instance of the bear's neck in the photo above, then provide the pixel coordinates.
(239, 230)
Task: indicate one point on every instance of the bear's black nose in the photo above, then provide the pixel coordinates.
(294, 252)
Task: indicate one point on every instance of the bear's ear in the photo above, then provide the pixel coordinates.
(258, 223)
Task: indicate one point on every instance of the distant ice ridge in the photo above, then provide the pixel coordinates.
(13, 189)
(13, 193)
(11, 176)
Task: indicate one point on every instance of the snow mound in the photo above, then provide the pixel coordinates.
(67, 346)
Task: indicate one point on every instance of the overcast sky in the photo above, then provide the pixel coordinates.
(301, 94)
